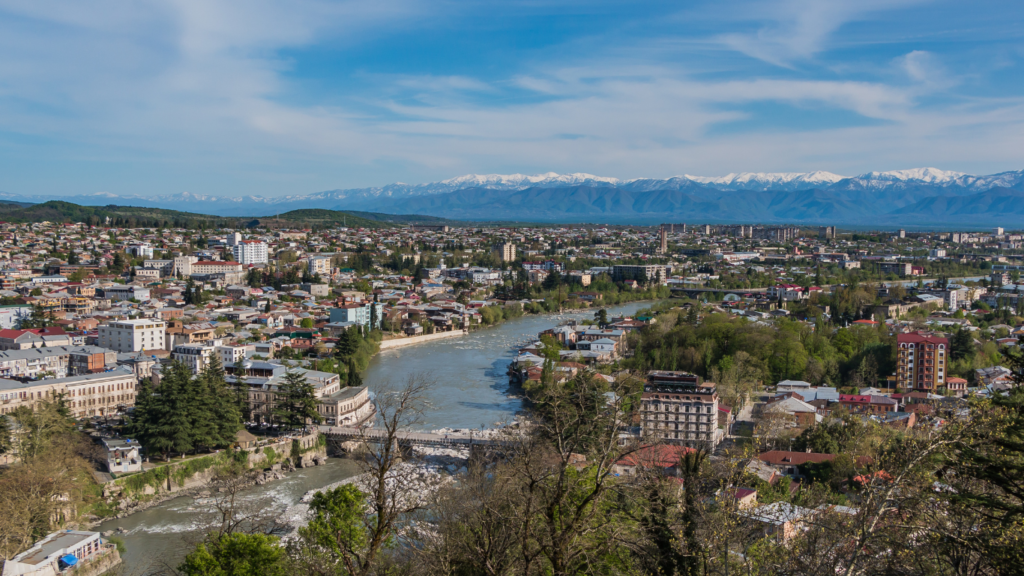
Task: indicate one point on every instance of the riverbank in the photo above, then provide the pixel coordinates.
(470, 374)
(257, 465)
(399, 342)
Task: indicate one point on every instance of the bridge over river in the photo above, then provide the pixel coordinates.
(349, 433)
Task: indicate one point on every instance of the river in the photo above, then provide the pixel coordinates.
(470, 391)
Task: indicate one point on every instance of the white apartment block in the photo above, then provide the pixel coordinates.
(229, 355)
(320, 265)
(251, 252)
(132, 335)
(195, 356)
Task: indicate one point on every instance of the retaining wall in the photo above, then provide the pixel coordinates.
(400, 342)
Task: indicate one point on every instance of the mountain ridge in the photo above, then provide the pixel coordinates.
(882, 192)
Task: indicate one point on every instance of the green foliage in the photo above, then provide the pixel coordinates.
(238, 554)
(188, 412)
(296, 401)
(337, 531)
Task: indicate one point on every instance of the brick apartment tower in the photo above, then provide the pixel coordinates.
(921, 361)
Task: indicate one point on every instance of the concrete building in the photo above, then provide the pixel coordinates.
(233, 238)
(677, 408)
(342, 406)
(195, 356)
(11, 316)
(132, 335)
(182, 266)
(320, 265)
(140, 251)
(921, 361)
(120, 293)
(650, 272)
(251, 252)
(62, 552)
(357, 312)
(506, 251)
(122, 455)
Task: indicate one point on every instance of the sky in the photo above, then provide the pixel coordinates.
(272, 98)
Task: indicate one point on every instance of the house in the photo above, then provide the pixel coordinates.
(780, 520)
(664, 457)
(122, 455)
(802, 413)
(867, 404)
(788, 462)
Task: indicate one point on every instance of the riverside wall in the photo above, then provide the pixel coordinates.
(409, 341)
(258, 464)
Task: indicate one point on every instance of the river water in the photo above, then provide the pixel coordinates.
(470, 391)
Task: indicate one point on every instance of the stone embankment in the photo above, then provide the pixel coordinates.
(410, 340)
(265, 462)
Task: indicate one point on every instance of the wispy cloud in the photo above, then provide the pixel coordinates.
(208, 87)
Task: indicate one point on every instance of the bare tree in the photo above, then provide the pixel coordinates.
(348, 536)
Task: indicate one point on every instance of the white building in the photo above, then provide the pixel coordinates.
(132, 335)
(937, 253)
(234, 238)
(195, 356)
(251, 252)
(320, 265)
(229, 355)
(182, 265)
(11, 316)
(57, 553)
(141, 251)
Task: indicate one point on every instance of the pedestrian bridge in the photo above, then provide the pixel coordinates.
(352, 433)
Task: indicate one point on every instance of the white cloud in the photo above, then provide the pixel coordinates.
(193, 83)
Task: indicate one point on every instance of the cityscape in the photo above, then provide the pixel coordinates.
(414, 288)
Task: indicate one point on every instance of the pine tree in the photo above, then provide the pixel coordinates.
(347, 345)
(221, 404)
(354, 379)
(168, 422)
(242, 391)
(296, 401)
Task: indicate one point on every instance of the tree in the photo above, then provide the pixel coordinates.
(335, 532)
(296, 401)
(347, 344)
(342, 532)
(961, 345)
(5, 434)
(601, 317)
(354, 379)
(238, 554)
(306, 323)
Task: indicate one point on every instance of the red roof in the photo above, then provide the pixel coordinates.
(660, 456)
(793, 458)
(917, 338)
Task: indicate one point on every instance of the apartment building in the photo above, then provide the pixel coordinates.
(250, 252)
(15, 394)
(215, 267)
(132, 335)
(678, 408)
(338, 405)
(506, 251)
(180, 334)
(921, 361)
(320, 265)
(103, 394)
(357, 312)
(55, 361)
(196, 356)
(648, 272)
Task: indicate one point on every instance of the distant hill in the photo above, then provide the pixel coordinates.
(143, 217)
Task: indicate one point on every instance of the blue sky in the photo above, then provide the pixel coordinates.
(272, 98)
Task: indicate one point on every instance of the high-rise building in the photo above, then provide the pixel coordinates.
(998, 231)
(234, 238)
(662, 240)
(921, 361)
(677, 408)
(251, 252)
(827, 232)
(506, 251)
(902, 233)
(320, 265)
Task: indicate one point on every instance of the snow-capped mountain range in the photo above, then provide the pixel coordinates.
(471, 196)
